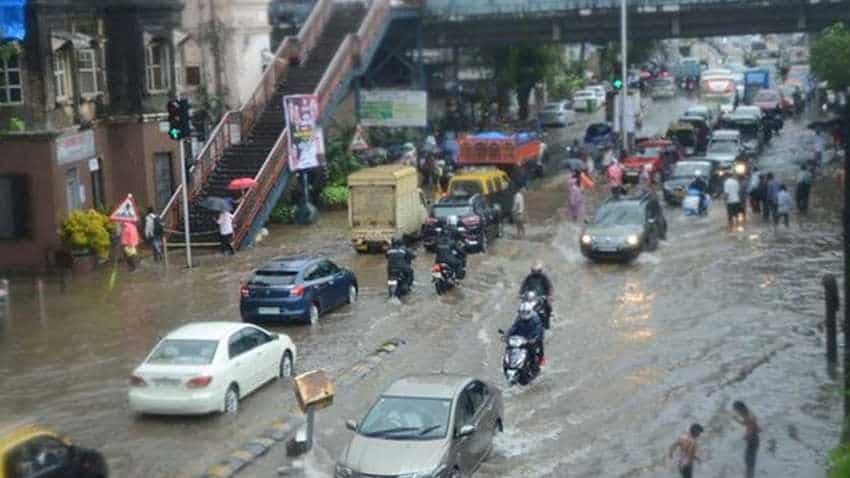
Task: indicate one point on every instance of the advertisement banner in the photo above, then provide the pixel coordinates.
(306, 141)
(394, 108)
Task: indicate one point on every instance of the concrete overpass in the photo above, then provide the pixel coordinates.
(479, 22)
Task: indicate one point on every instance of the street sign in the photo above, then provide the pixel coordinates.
(358, 142)
(126, 211)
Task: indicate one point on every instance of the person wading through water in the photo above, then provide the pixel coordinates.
(687, 445)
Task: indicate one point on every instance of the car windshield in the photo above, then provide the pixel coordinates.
(685, 137)
(696, 112)
(183, 352)
(273, 277)
(619, 214)
(723, 147)
(443, 212)
(465, 188)
(597, 130)
(407, 418)
(552, 107)
(766, 95)
(690, 170)
(652, 152)
(662, 82)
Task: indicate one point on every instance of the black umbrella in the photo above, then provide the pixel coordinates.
(215, 203)
(575, 164)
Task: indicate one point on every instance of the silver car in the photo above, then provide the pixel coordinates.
(425, 426)
(558, 113)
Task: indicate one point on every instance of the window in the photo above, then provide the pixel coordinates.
(465, 411)
(156, 67)
(11, 91)
(193, 76)
(236, 346)
(87, 72)
(256, 337)
(60, 75)
(14, 207)
(478, 393)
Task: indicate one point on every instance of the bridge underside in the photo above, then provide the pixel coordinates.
(598, 25)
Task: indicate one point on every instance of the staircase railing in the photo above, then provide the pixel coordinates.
(222, 136)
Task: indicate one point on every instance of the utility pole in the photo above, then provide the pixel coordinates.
(185, 196)
(179, 129)
(624, 66)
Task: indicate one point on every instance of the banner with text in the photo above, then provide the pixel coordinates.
(306, 141)
(394, 108)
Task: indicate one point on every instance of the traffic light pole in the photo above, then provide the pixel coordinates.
(624, 66)
(185, 197)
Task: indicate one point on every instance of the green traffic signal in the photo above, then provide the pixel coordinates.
(174, 133)
(618, 84)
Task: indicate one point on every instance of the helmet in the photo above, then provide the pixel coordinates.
(396, 242)
(526, 310)
(537, 267)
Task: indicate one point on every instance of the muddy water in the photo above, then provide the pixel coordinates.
(637, 351)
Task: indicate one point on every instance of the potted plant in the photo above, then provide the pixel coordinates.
(86, 235)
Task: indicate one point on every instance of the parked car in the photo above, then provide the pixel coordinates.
(492, 184)
(31, 451)
(623, 227)
(676, 186)
(207, 367)
(425, 426)
(663, 88)
(296, 288)
(599, 137)
(559, 113)
(586, 100)
(477, 221)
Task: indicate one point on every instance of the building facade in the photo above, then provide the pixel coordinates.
(82, 95)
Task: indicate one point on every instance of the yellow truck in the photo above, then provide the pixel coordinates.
(384, 202)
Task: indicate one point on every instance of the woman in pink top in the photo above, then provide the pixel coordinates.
(615, 176)
(129, 241)
(575, 197)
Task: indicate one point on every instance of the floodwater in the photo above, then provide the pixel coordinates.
(637, 351)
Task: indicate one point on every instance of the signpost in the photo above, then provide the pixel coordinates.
(126, 211)
(394, 108)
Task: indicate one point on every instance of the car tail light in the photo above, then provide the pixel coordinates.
(436, 268)
(136, 381)
(471, 221)
(244, 291)
(199, 382)
(297, 291)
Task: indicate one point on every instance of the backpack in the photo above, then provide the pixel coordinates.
(158, 227)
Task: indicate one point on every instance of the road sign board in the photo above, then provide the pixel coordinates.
(358, 142)
(126, 211)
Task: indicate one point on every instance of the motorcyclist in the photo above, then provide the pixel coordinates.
(537, 281)
(700, 185)
(450, 250)
(399, 259)
(529, 326)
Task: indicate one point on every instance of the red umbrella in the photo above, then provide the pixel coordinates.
(241, 183)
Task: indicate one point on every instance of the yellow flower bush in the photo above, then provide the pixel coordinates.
(87, 230)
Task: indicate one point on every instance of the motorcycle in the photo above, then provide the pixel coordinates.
(397, 285)
(443, 277)
(521, 364)
(691, 203)
(542, 305)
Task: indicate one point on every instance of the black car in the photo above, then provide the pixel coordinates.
(623, 227)
(683, 174)
(476, 220)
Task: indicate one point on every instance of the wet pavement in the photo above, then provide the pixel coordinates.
(637, 351)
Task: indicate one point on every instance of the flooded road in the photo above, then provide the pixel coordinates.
(637, 351)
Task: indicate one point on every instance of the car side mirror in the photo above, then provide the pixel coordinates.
(351, 425)
(466, 431)
(275, 336)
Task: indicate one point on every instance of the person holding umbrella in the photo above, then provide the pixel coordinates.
(242, 185)
(224, 218)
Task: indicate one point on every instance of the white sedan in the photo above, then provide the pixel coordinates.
(207, 367)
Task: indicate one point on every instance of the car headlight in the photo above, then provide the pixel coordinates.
(343, 471)
(586, 239)
(632, 240)
(721, 172)
(740, 169)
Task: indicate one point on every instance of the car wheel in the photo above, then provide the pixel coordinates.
(314, 314)
(352, 294)
(231, 400)
(287, 367)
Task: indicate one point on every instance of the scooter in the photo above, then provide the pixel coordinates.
(691, 203)
(444, 278)
(521, 364)
(397, 285)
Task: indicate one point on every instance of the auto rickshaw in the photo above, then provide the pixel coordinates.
(685, 135)
(702, 129)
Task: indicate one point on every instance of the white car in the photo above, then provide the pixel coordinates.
(585, 100)
(207, 367)
(558, 113)
(601, 95)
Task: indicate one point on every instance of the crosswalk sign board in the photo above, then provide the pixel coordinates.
(358, 142)
(126, 211)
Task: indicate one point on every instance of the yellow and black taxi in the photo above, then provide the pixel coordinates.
(492, 184)
(34, 452)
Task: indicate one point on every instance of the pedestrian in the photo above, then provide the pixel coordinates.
(225, 232)
(771, 189)
(130, 243)
(115, 243)
(153, 233)
(732, 195)
(615, 177)
(575, 197)
(784, 204)
(518, 212)
(753, 191)
(818, 147)
(804, 187)
(687, 445)
(751, 436)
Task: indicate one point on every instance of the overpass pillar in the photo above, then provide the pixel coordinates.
(674, 26)
(801, 20)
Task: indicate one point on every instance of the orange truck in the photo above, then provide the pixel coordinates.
(513, 152)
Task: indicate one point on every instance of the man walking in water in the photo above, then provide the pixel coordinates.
(687, 445)
(751, 436)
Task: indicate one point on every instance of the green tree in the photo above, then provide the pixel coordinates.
(7, 48)
(830, 56)
(527, 65)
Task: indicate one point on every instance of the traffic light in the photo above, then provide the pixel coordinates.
(617, 84)
(179, 125)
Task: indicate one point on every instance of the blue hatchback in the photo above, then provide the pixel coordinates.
(299, 288)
